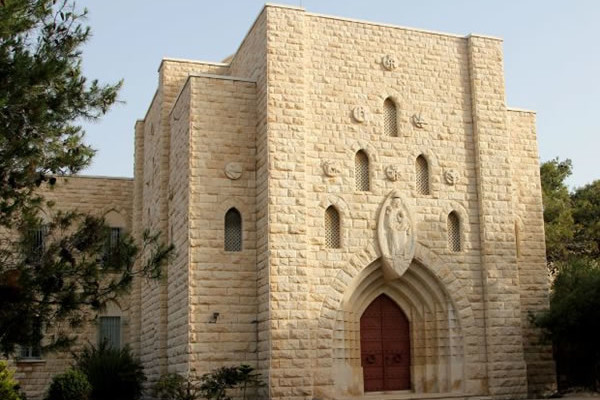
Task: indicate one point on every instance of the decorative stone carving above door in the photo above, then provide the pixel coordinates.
(396, 236)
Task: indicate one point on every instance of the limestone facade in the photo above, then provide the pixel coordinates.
(309, 134)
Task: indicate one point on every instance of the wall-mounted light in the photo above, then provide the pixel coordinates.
(214, 318)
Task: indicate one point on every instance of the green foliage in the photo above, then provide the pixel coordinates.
(573, 320)
(558, 214)
(215, 385)
(113, 373)
(54, 287)
(176, 387)
(43, 97)
(9, 388)
(70, 385)
(586, 213)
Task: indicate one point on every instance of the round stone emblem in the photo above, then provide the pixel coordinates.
(233, 170)
(331, 168)
(451, 176)
(359, 114)
(392, 172)
(389, 62)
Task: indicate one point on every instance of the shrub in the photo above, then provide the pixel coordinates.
(176, 387)
(214, 385)
(573, 323)
(113, 373)
(9, 387)
(70, 385)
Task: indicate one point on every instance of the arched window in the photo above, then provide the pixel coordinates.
(332, 228)
(422, 175)
(361, 171)
(454, 244)
(390, 125)
(233, 230)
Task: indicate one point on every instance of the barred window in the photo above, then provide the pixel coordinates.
(332, 228)
(390, 125)
(31, 352)
(233, 230)
(110, 331)
(112, 246)
(422, 175)
(37, 243)
(361, 171)
(454, 243)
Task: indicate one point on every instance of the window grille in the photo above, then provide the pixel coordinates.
(110, 332)
(233, 230)
(332, 228)
(390, 125)
(422, 178)
(454, 244)
(112, 246)
(31, 352)
(115, 237)
(361, 171)
(38, 242)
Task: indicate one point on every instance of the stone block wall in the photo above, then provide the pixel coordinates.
(98, 196)
(222, 140)
(292, 107)
(531, 252)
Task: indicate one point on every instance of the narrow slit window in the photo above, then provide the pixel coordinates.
(518, 239)
(233, 230)
(390, 125)
(332, 228)
(361, 171)
(110, 332)
(454, 243)
(422, 176)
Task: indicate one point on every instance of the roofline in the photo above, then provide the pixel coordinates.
(119, 178)
(208, 76)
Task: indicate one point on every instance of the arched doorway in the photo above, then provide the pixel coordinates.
(385, 346)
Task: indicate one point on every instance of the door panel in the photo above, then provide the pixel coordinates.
(385, 346)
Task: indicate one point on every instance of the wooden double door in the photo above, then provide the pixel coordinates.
(385, 346)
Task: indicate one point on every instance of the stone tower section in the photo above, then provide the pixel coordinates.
(333, 166)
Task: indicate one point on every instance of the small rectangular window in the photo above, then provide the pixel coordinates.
(110, 331)
(31, 352)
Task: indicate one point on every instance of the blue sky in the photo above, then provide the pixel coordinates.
(551, 59)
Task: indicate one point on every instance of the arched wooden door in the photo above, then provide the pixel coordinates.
(385, 346)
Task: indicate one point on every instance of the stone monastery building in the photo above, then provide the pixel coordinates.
(356, 211)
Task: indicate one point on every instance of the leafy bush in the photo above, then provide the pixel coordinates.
(176, 387)
(113, 373)
(70, 385)
(573, 322)
(9, 387)
(214, 385)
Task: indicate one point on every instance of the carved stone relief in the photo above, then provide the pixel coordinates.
(389, 62)
(419, 121)
(331, 168)
(396, 236)
(451, 176)
(233, 170)
(392, 172)
(359, 113)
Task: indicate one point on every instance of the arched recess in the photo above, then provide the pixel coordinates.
(464, 226)
(434, 172)
(390, 118)
(369, 150)
(331, 200)
(436, 305)
(519, 228)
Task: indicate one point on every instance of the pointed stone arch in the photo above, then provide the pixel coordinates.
(433, 299)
